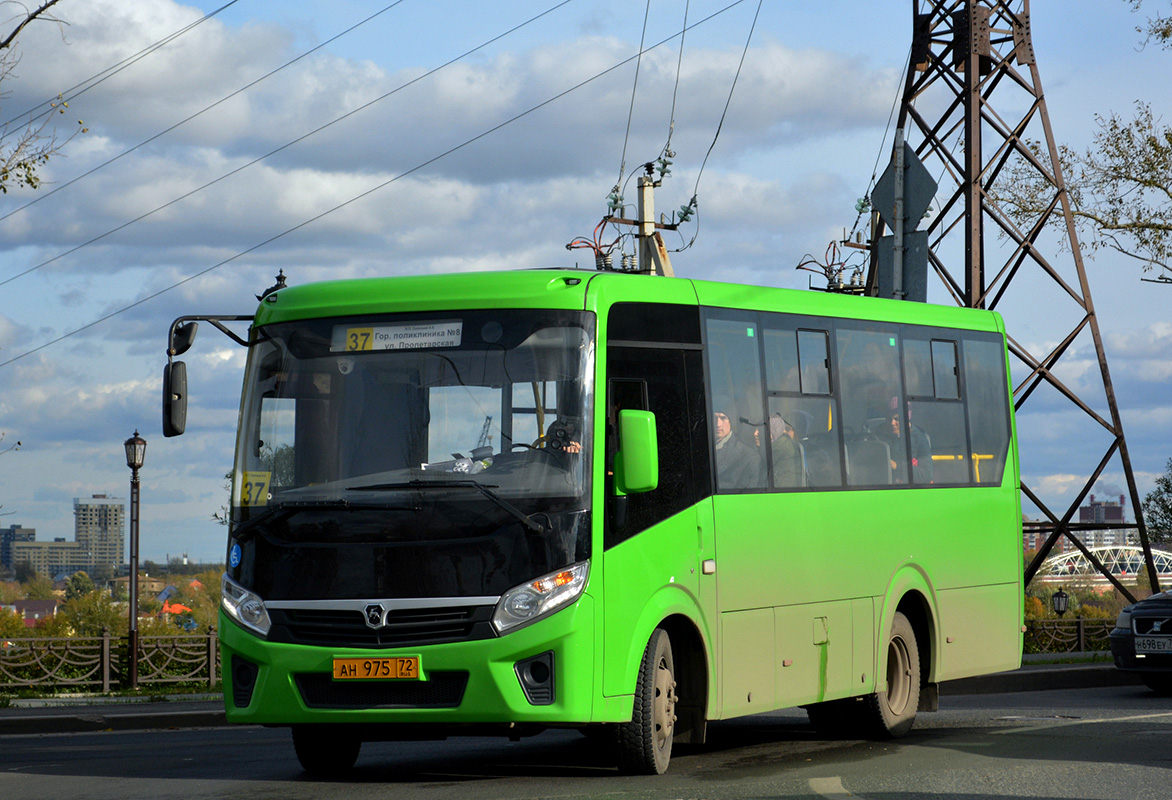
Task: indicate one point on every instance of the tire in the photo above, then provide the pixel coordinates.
(1158, 682)
(325, 751)
(644, 743)
(891, 713)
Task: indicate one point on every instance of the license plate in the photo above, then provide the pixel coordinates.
(376, 669)
(1153, 644)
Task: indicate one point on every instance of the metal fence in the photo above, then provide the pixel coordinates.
(99, 663)
(1076, 635)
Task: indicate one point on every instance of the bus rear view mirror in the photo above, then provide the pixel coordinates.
(637, 462)
(174, 398)
(182, 337)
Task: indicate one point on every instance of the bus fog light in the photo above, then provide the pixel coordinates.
(243, 606)
(539, 598)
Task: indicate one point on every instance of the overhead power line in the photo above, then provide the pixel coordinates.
(283, 147)
(109, 72)
(205, 109)
(373, 189)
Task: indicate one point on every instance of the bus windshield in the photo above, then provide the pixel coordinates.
(487, 411)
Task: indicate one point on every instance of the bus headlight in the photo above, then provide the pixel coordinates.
(539, 598)
(244, 606)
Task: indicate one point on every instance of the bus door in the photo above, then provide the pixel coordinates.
(658, 542)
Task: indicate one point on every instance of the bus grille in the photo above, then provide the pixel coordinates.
(403, 628)
(440, 690)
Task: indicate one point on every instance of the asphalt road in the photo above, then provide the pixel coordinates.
(1103, 743)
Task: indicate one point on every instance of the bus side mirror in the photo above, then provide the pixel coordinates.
(636, 465)
(182, 337)
(174, 398)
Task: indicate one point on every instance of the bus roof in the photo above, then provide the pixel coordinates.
(568, 288)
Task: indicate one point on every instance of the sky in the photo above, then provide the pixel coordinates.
(355, 139)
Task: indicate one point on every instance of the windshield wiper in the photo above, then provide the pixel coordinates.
(487, 491)
(274, 512)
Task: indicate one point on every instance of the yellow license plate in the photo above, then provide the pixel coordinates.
(369, 669)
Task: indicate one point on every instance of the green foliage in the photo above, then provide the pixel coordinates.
(56, 625)
(88, 614)
(25, 572)
(79, 584)
(1158, 28)
(10, 592)
(202, 595)
(11, 624)
(38, 588)
(1120, 188)
(1157, 508)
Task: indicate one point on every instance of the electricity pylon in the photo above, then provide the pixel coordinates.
(973, 111)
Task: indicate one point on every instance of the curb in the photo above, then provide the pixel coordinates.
(95, 714)
(92, 720)
(1040, 678)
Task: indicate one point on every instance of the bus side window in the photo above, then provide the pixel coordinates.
(935, 415)
(873, 413)
(987, 404)
(734, 370)
(801, 402)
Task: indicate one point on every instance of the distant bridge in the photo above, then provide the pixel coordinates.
(1124, 562)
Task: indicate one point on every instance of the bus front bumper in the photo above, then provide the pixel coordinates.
(540, 675)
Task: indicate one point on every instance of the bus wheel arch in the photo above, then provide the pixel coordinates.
(671, 690)
(891, 711)
(915, 607)
(691, 665)
(644, 744)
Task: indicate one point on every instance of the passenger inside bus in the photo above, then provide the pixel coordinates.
(737, 466)
(787, 457)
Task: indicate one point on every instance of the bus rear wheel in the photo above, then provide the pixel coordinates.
(644, 743)
(892, 712)
(324, 751)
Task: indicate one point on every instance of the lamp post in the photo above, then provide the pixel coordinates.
(1061, 601)
(135, 452)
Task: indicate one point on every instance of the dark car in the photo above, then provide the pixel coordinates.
(1142, 641)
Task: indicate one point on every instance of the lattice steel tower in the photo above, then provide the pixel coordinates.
(972, 106)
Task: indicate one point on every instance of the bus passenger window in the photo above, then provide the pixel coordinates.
(799, 386)
(987, 403)
(738, 418)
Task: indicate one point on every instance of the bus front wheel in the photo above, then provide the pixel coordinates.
(324, 752)
(893, 711)
(644, 743)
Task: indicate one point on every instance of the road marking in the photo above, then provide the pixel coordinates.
(1069, 723)
(832, 788)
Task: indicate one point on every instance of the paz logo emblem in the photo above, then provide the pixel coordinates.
(375, 614)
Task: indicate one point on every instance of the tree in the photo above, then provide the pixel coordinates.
(1158, 28)
(25, 572)
(79, 584)
(89, 613)
(25, 150)
(38, 588)
(1120, 188)
(1157, 506)
(11, 624)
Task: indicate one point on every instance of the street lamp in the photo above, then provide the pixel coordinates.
(135, 452)
(1061, 601)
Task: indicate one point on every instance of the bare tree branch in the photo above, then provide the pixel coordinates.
(29, 16)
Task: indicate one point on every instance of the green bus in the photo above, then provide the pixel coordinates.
(499, 503)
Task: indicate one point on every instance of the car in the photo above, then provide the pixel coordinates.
(1141, 641)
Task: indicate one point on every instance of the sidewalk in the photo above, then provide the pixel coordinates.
(78, 714)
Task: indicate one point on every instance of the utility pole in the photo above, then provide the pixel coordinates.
(967, 54)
